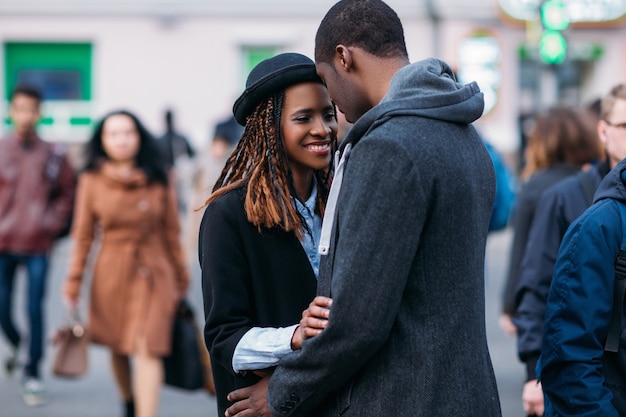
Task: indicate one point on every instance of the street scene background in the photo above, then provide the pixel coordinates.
(94, 394)
(193, 56)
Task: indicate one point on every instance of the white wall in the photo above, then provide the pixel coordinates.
(192, 64)
(140, 64)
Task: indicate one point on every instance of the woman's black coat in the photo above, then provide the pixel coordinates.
(250, 278)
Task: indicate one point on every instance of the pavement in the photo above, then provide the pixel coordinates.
(94, 395)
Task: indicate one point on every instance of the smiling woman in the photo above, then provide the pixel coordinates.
(307, 126)
(261, 227)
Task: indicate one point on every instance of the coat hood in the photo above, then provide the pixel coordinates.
(613, 185)
(427, 89)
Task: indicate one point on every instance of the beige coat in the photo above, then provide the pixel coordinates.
(139, 273)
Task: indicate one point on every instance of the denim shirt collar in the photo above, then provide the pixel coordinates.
(314, 223)
(308, 207)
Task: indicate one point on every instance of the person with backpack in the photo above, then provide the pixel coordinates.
(582, 367)
(562, 141)
(506, 190)
(36, 198)
(557, 208)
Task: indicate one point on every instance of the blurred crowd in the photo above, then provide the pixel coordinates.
(152, 204)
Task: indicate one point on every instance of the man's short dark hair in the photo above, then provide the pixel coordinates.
(27, 90)
(368, 24)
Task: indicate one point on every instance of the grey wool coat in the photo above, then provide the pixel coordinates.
(405, 265)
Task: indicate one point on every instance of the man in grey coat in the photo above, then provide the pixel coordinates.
(403, 239)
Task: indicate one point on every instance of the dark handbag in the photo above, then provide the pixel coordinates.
(71, 342)
(186, 365)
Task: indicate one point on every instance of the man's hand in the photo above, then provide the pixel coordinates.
(314, 320)
(250, 401)
(532, 398)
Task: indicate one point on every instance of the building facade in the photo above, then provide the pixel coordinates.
(192, 56)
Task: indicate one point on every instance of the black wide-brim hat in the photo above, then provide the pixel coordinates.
(270, 76)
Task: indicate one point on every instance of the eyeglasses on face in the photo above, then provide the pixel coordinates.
(621, 126)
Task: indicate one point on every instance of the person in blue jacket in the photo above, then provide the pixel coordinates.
(506, 189)
(557, 208)
(578, 376)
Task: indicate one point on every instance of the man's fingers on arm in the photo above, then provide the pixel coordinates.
(235, 409)
(238, 395)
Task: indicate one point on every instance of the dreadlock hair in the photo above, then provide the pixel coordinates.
(260, 163)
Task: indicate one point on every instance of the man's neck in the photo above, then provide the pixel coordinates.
(380, 79)
(25, 135)
(25, 138)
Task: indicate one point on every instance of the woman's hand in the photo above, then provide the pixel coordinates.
(314, 320)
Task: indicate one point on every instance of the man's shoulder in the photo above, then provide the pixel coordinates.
(601, 218)
(7, 140)
(56, 149)
(400, 131)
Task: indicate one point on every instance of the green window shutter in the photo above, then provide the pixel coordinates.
(61, 70)
(252, 55)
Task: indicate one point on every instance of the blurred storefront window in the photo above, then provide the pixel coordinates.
(252, 55)
(63, 73)
(479, 60)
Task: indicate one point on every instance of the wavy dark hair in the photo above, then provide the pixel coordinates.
(259, 162)
(149, 158)
(562, 135)
(368, 24)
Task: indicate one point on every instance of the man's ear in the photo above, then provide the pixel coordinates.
(343, 57)
(601, 129)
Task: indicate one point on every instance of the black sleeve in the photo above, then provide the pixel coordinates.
(225, 279)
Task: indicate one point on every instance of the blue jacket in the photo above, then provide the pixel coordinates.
(557, 208)
(506, 189)
(579, 307)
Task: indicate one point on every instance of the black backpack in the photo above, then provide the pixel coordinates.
(52, 172)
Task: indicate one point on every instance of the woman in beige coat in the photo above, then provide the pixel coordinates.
(124, 199)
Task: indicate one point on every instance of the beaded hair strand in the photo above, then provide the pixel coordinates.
(260, 163)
